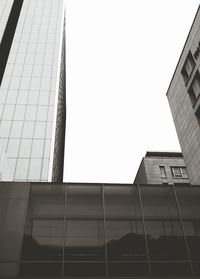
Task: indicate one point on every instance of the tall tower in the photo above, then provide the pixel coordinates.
(32, 92)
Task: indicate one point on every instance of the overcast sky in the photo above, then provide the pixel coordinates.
(121, 55)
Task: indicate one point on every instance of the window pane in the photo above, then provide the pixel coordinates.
(188, 198)
(37, 149)
(22, 97)
(13, 146)
(84, 269)
(28, 130)
(19, 112)
(42, 269)
(85, 228)
(124, 224)
(41, 113)
(45, 169)
(43, 98)
(12, 214)
(44, 229)
(30, 113)
(33, 97)
(22, 169)
(11, 97)
(16, 129)
(35, 169)
(39, 130)
(163, 228)
(124, 232)
(162, 172)
(5, 128)
(25, 148)
(165, 237)
(8, 112)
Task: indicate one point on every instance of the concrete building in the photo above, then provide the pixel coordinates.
(184, 100)
(32, 92)
(162, 168)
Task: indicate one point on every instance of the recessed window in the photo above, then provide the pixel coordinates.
(179, 172)
(162, 172)
(188, 67)
(194, 90)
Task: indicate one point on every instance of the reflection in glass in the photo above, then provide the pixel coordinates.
(44, 229)
(125, 235)
(84, 225)
(124, 232)
(163, 228)
(188, 198)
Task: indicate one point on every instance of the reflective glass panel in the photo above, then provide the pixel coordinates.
(189, 202)
(125, 235)
(84, 227)
(124, 231)
(163, 228)
(44, 229)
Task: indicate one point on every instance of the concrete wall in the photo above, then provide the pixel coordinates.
(149, 171)
(183, 112)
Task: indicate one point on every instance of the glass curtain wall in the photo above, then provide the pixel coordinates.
(189, 202)
(101, 231)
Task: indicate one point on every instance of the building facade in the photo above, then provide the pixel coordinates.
(77, 230)
(183, 95)
(32, 92)
(162, 168)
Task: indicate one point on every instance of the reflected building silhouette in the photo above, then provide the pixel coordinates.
(76, 230)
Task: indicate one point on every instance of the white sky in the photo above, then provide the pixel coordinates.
(121, 55)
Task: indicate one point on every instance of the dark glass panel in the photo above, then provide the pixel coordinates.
(124, 229)
(162, 224)
(85, 240)
(13, 206)
(171, 269)
(196, 267)
(51, 269)
(189, 202)
(44, 230)
(9, 270)
(84, 226)
(83, 269)
(127, 269)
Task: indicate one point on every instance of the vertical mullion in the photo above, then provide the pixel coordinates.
(105, 230)
(65, 225)
(144, 229)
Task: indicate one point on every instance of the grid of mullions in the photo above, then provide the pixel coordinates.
(88, 230)
(27, 94)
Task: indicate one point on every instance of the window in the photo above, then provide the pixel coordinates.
(163, 172)
(179, 172)
(194, 89)
(188, 67)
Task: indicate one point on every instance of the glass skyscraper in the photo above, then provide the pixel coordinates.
(32, 92)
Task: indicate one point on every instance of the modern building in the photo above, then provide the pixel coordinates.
(184, 99)
(76, 230)
(162, 168)
(32, 90)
